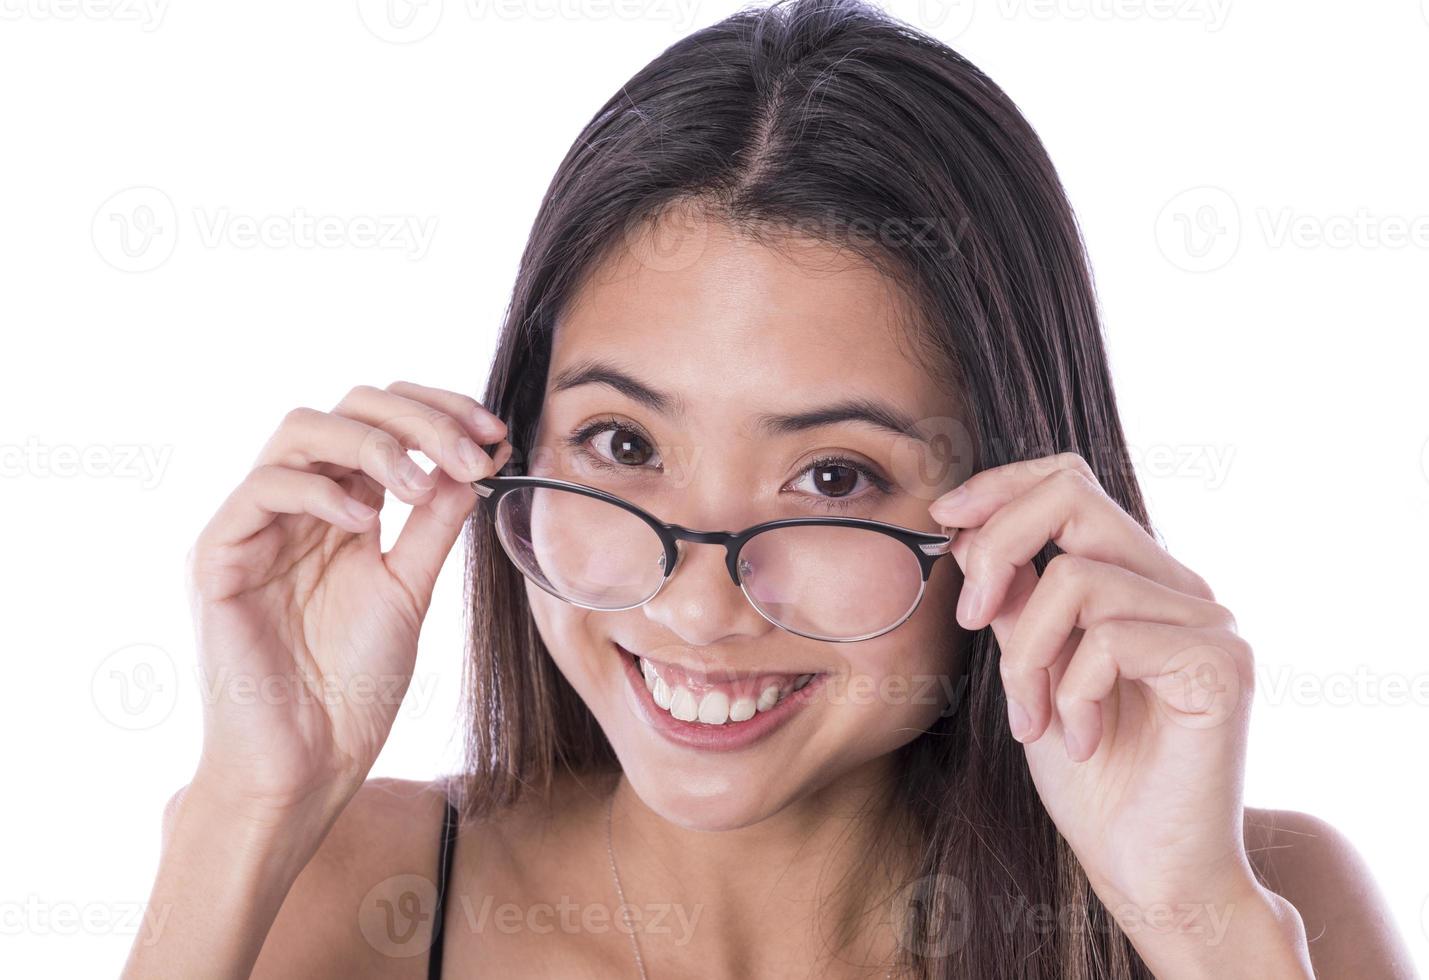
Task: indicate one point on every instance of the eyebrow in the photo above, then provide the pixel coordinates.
(869, 411)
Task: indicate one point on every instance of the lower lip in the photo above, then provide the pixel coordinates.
(730, 736)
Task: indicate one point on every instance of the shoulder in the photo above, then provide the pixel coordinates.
(362, 906)
(1315, 867)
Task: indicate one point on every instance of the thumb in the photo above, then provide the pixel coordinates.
(427, 538)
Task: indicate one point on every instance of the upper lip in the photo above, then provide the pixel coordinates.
(715, 671)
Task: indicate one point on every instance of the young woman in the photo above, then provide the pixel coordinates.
(809, 273)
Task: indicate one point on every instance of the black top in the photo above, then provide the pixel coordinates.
(444, 865)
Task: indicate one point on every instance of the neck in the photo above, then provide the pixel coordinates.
(806, 892)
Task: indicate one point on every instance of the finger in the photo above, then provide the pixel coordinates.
(426, 539)
(416, 557)
(1198, 675)
(1068, 509)
(271, 490)
(1077, 593)
(308, 439)
(449, 440)
(486, 427)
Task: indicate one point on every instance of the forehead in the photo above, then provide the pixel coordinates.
(723, 319)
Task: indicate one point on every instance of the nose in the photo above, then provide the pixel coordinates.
(699, 603)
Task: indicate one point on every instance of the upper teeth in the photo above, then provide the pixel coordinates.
(714, 707)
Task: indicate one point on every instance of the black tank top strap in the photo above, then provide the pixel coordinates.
(444, 870)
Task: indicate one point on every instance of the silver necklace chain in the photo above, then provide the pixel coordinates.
(620, 891)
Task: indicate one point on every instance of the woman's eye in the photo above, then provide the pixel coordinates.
(617, 444)
(838, 478)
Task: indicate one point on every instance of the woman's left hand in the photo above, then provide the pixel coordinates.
(1126, 681)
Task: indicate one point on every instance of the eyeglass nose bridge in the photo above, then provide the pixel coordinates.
(728, 539)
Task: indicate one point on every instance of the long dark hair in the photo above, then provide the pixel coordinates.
(834, 119)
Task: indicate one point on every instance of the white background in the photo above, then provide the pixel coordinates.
(1249, 176)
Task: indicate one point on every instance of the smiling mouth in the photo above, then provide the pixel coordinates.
(719, 704)
(705, 699)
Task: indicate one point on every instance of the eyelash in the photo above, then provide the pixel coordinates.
(577, 441)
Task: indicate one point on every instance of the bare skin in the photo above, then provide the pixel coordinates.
(280, 855)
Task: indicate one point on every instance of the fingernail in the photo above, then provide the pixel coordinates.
(948, 503)
(969, 604)
(358, 510)
(471, 456)
(487, 422)
(413, 476)
(1017, 720)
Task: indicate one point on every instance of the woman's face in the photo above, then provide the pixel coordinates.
(713, 341)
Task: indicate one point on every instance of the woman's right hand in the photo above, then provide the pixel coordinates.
(306, 631)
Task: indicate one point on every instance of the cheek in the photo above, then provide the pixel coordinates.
(565, 629)
(900, 684)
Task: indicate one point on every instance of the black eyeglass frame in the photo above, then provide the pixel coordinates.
(926, 546)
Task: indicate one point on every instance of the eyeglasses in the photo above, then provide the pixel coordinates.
(840, 579)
